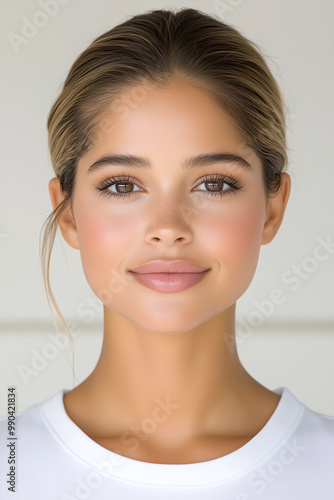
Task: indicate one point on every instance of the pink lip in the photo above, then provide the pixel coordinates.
(163, 266)
(169, 276)
(170, 282)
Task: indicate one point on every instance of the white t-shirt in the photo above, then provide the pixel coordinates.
(292, 457)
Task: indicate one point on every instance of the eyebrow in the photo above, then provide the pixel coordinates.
(194, 161)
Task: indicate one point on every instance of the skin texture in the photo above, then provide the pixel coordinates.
(172, 347)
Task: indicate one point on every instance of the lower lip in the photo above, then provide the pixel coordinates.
(163, 282)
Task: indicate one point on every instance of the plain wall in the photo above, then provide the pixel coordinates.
(292, 344)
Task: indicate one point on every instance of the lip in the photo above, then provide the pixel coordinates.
(169, 276)
(171, 267)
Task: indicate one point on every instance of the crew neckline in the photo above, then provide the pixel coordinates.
(278, 428)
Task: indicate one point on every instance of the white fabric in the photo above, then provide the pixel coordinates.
(292, 457)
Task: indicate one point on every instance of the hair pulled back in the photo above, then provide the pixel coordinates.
(151, 49)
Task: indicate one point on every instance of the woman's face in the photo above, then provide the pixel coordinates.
(170, 213)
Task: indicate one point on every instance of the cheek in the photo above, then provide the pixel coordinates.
(245, 232)
(103, 240)
(235, 236)
(233, 239)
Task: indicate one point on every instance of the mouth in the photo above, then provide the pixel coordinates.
(170, 282)
(169, 267)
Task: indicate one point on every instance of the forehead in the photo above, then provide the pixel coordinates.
(176, 103)
(176, 120)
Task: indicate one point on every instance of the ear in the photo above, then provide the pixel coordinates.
(275, 209)
(66, 220)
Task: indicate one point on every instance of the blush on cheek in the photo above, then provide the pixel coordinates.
(247, 244)
(246, 232)
(238, 241)
(98, 229)
(96, 240)
(105, 240)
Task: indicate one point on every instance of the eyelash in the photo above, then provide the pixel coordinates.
(126, 179)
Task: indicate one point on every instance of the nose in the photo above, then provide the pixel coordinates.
(169, 223)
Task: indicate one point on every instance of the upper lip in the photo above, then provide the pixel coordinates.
(171, 266)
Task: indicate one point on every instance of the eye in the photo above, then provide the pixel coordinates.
(124, 183)
(217, 182)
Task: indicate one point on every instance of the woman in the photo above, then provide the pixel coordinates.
(168, 143)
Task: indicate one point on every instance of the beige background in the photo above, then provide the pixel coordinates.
(287, 344)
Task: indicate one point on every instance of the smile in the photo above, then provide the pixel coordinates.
(170, 282)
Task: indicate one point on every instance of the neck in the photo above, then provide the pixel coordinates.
(185, 384)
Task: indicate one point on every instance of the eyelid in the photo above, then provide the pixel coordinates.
(110, 181)
(125, 177)
(227, 179)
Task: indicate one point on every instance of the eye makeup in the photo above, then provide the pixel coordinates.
(211, 179)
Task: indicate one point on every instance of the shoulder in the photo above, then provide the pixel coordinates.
(29, 424)
(317, 425)
(29, 450)
(302, 435)
(313, 437)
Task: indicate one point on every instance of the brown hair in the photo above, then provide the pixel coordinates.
(155, 47)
